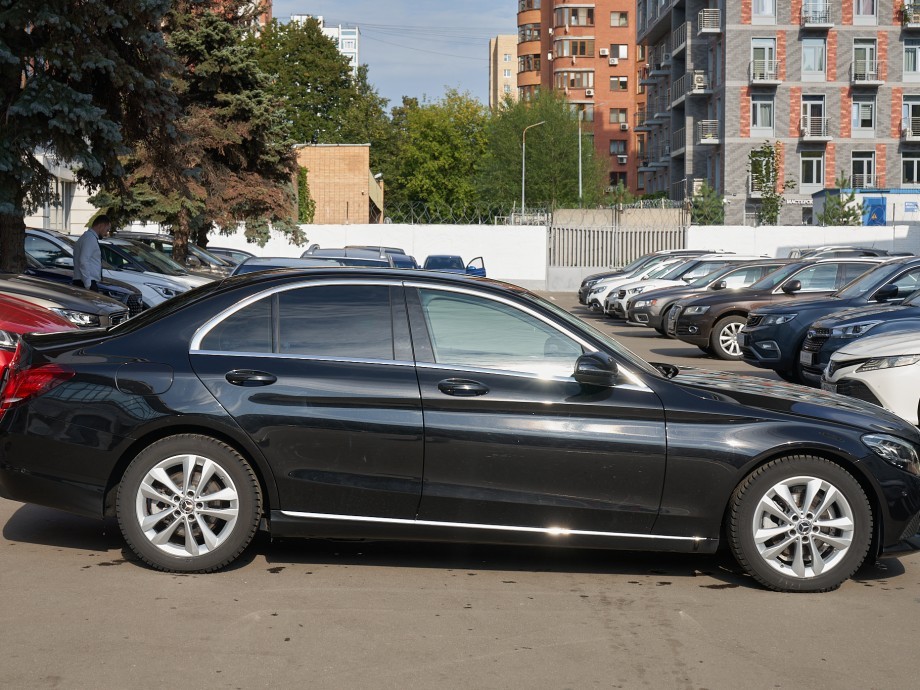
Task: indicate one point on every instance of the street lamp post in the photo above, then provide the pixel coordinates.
(524, 162)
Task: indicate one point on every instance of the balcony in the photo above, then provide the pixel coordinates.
(764, 72)
(910, 16)
(817, 15)
(709, 22)
(642, 123)
(866, 73)
(815, 128)
(679, 39)
(863, 181)
(707, 132)
(678, 142)
(910, 128)
(646, 78)
(755, 190)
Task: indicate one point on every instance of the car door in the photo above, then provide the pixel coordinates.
(511, 439)
(320, 375)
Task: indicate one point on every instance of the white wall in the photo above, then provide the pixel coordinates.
(516, 254)
(778, 241)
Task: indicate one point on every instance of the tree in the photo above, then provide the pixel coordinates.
(234, 160)
(552, 156)
(707, 207)
(79, 83)
(306, 206)
(764, 167)
(840, 209)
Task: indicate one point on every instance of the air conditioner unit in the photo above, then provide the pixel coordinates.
(624, 127)
(621, 160)
(589, 92)
(666, 57)
(550, 31)
(604, 52)
(614, 62)
(699, 80)
(549, 57)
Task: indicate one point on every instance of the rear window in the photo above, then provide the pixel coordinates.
(442, 262)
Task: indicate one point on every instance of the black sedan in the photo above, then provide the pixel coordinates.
(383, 403)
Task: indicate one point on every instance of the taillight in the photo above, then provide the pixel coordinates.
(21, 384)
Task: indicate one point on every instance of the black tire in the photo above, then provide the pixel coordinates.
(194, 536)
(706, 349)
(724, 337)
(790, 555)
(790, 376)
(663, 333)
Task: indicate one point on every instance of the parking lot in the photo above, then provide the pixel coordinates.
(79, 612)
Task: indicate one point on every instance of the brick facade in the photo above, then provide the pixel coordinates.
(745, 123)
(897, 101)
(880, 164)
(795, 110)
(339, 179)
(846, 10)
(746, 11)
(781, 53)
(830, 156)
(796, 16)
(846, 100)
(832, 55)
(883, 55)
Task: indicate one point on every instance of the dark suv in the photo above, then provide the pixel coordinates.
(712, 322)
(773, 336)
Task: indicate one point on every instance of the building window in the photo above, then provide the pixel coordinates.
(763, 57)
(910, 170)
(507, 88)
(529, 63)
(865, 67)
(524, 5)
(583, 111)
(617, 179)
(575, 80)
(764, 12)
(814, 62)
(507, 73)
(528, 32)
(575, 16)
(619, 83)
(617, 147)
(812, 172)
(912, 59)
(574, 47)
(862, 169)
(864, 12)
(862, 118)
(619, 50)
(507, 57)
(813, 121)
(618, 116)
(619, 19)
(910, 116)
(762, 115)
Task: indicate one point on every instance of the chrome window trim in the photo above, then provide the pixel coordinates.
(310, 358)
(550, 531)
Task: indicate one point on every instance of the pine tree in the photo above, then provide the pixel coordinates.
(707, 207)
(80, 83)
(840, 209)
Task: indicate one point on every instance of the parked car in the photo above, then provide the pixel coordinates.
(597, 295)
(233, 256)
(881, 369)
(712, 322)
(357, 256)
(294, 401)
(267, 263)
(17, 317)
(633, 267)
(130, 255)
(835, 251)
(124, 292)
(682, 275)
(774, 334)
(451, 263)
(398, 256)
(82, 308)
(648, 309)
(198, 261)
(828, 334)
(55, 250)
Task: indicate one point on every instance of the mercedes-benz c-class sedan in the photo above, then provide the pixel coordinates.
(366, 403)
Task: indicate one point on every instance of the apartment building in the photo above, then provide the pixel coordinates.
(502, 69)
(346, 38)
(834, 84)
(588, 51)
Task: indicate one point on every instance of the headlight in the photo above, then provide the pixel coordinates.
(8, 340)
(78, 318)
(589, 283)
(645, 303)
(889, 362)
(690, 311)
(163, 290)
(854, 330)
(899, 453)
(777, 319)
(635, 290)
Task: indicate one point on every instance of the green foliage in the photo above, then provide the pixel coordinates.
(840, 209)
(234, 160)
(621, 195)
(306, 206)
(764, 167)
(707, 207)
(552, 156)
(81, 83)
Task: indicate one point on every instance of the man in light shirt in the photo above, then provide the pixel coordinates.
(87, 257)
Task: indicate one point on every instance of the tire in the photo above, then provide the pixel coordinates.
(663, 333)
(724, 338)
(824, 545)
(706, 349)
(162, 517)
(790, 376)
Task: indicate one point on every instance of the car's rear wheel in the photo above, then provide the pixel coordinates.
(663, 333)
(800, 524)
(790, 376)
(705, 348)
(724, 337)
(188, 503)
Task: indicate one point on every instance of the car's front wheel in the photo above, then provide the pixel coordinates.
(800, 524)
(188, 503)
(724, 337)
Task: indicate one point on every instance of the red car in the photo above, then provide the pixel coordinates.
(18, 316)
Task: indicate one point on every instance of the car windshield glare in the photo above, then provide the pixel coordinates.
(152, 260)
(877, 276)
(705, 281)
(771, 280)
(675, 271)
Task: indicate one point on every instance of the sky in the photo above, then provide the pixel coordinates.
(418, 47)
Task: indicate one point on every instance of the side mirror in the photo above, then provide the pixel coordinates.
(792, 286)
(192, 261)
(886, 292)
(669, 371)
(596, 369)
(63, 262)
(721, 285)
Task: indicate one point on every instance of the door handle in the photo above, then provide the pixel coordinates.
(248, 377)
(462, 388)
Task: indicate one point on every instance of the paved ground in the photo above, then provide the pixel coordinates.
(77, 612)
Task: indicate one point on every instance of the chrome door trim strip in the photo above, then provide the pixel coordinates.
(550, 531)
(308, 358)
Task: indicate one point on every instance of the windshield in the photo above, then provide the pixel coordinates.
(770, 281)
(869, 281)
(704, 281)
(151, 260)
(442, 262)
(661, 271)
(677, 271)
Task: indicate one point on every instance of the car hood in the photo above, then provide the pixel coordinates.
(656, 283)
(882, 345)
(790, 399)
(889, 312)
(59, 294)
(17, 316)
(825, 302)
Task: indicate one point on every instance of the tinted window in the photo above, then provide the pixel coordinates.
(442, 262)
(745, 276)
(907, 283)
(471, 331)
(818, 278)
(850, 272)
(114, 258)
(704, 268)
(248, 330)
(350, 321)
(46, 252)
(870, 280)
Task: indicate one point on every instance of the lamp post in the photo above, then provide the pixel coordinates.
(581, 115)
(524, 162)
